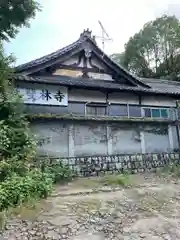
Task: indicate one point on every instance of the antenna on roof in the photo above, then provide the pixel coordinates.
(104, 35)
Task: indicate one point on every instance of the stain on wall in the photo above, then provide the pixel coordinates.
(125, 140)
(54, 137)
(156, 142)
(90, 139)
(77, 139)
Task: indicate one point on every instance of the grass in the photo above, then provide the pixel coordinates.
(86, 206)
(123, 180)
(27, 211)
(170, 171)
(116, 180)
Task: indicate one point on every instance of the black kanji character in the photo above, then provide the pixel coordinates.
(31, 93)
(46, 95)
(59, 96)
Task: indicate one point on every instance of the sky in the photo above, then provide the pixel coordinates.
(61, 22)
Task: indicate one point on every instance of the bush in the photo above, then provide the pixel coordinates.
(59, 172)
(17, 189)
(172, 170)
(116, 180)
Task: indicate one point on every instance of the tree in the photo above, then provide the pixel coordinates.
(15, 14)
(154, 50)
(118, 57)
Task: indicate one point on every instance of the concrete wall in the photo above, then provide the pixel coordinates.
(91, 138)
(125, 140)
(156, 143)
(173, 137)
(54, 136)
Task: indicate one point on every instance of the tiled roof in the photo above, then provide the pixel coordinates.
(48, 57)
(157, 86)
(84, 37)
(148, 86)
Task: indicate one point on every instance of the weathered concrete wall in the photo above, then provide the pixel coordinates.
(174, 138)
(155, 143)
(54, 137)
(75, 139)
(90, 139)
(125, 140)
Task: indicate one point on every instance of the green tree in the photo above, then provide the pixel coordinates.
(118, 57)
(154, 50)
(15, 14)
(15, 137)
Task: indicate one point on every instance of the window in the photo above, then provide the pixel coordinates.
(156, 112)
(134, 111)
(164, 113)
(118, 110)
(147, 112)
(96, 110)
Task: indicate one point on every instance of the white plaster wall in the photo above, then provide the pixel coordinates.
(123, 141)
(97, 96)
(72, 60)
(101, 76)
(158, 101)
(122, 97)
(67, 72)
(95, 62)
(90, 139)
(155, 143)
(86, 95)
(56, 133)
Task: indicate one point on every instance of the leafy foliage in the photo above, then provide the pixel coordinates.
(171, 170)
(15, 14)
(154, 50)
(118, 57)
(117, 180)
(16, 189)
(58, 172)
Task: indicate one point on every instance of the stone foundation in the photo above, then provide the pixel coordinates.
(99, 165)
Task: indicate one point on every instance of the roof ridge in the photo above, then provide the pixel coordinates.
(153, 80)
(48, 55)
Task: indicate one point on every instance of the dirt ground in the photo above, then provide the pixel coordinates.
(147, 209)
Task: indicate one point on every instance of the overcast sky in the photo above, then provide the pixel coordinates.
(61, 22)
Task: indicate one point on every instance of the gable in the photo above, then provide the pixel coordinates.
(81, 66)
(82, 58)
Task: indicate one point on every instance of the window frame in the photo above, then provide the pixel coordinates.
(96, 105)
(157, 108)
(130, 105)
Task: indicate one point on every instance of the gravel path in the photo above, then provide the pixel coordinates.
(150, 211)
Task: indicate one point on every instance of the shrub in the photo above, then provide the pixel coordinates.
(116, 180)
(59, 172)
(172, 170)
(17, 189)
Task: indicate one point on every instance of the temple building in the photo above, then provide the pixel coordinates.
(82, 103)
